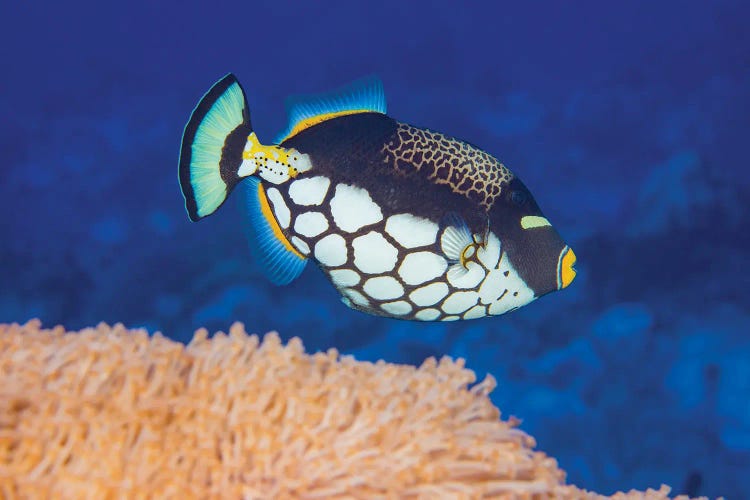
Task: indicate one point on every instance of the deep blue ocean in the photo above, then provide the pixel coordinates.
(628, 121)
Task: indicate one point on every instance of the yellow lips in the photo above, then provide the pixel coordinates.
(566, 273)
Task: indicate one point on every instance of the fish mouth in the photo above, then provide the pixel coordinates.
(566, 273)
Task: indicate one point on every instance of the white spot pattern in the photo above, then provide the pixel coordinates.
(410, 231)
(420, 267)
(300, 161)
(383, 288)
(429, 294)
(352, 208)
(269, 169)
(475, 312)
(356, 297)
(398, 308)
(300, 245)
(489, 256)
(373, 254)
(247, 167)
(344, 277)
(427, 314)
(503, 306)
(492, 287)
(280, 210)
(518, 293)
(458, 302)
(310, 224)
(331, 251)
(309, 191)
(484, 288)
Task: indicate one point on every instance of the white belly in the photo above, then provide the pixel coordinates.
(391, 264)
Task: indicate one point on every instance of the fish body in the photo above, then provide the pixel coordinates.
(406, 222)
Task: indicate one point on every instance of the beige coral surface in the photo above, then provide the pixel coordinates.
(114, 413)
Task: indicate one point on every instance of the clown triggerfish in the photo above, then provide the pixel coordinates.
(405, 222)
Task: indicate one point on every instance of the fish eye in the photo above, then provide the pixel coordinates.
(517, 197)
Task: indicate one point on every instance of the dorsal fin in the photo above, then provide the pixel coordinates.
(361, 96)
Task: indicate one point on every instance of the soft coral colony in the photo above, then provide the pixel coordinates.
(109, 413)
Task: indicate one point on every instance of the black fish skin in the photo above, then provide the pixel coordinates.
(353, 149)
(379, 154)
(534, 252)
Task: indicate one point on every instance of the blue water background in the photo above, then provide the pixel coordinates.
(628, 121)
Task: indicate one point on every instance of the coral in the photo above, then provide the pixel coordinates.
(109, 412)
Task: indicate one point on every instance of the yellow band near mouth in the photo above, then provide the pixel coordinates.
(567, 273)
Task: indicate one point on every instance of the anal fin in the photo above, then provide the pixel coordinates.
(280, 261)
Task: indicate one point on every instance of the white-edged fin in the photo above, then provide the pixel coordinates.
(455, 237)
(280, 261)
(361, 96)
(212, 146)
(456, 272)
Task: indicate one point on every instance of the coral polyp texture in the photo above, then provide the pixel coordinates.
(109, 412)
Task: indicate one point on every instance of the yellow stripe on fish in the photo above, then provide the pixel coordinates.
(270, 218)
(314, 120)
